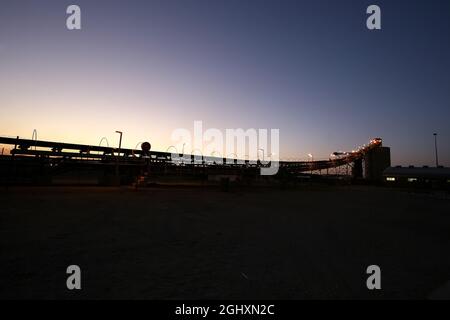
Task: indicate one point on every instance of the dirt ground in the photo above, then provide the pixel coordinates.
(194, 243)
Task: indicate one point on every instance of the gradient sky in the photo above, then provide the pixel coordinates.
(310, 68)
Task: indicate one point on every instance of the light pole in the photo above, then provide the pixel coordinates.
(103, 139)
(120, 140)
(312, 160)
(196, 156)
(176, 151)
(436, 149)
(212, 155)
(34, 137)
(264, 160)
(234, 159)
(117, 159)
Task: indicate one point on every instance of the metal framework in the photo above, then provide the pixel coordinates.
(52, 156)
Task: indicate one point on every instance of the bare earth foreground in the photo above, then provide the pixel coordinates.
(194, 243)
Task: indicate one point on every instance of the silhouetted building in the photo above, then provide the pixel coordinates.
(418, 177)
(357, 170)
(375, 162)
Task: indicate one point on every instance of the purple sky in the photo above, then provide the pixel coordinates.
(309, 68)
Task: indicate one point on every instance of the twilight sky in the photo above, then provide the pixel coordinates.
(310, 68)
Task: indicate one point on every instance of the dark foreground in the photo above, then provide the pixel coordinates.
(206, 244)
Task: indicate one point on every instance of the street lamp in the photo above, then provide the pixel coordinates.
(120, 140)
(34, 137)
(212, 155)
(196, 159)
(117, 159)
(176, 151)
(214, 152)
(436, 149)
(103, 139)
(234, 159)
(263, 154)
(312, 160)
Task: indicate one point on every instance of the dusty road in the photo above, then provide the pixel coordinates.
(193, 243)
